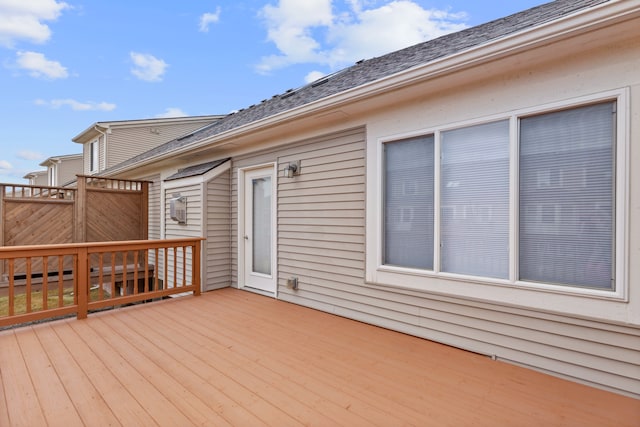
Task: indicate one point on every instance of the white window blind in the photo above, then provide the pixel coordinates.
(475, 200)
(567, 195)
(408, 202)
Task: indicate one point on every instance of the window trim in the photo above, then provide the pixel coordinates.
(511, 291)
(94, 156)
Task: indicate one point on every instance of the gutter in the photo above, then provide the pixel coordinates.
(582, 21)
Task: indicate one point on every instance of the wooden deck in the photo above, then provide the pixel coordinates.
(233, 358)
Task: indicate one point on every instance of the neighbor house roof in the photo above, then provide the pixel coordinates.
(57, 159)
(35, 174)
(96, 129)
(367, 71)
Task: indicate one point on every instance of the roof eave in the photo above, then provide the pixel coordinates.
(91, 132)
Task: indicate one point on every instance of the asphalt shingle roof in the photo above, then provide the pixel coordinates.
(196, 170)
(377, 68)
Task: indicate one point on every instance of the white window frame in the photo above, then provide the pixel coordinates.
(51, 175)
(94, 156)
(579, 301)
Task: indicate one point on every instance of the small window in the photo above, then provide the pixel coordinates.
(52, 176)
(93, 156)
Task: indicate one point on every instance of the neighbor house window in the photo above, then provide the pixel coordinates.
(408, 203)
(93, 156)
(566, 231)
(52, 176)
(525, 199)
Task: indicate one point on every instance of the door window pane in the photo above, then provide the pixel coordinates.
(475, 200)
(408, 202)
(567, 197)
(261, 254)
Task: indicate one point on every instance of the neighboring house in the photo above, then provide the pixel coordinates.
(37, 178)
(105, 144)
(62, 170)
(479, 190)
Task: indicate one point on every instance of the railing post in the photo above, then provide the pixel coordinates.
(82, 280)
(195, 270)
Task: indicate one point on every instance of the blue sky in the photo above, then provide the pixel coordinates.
(65, 65)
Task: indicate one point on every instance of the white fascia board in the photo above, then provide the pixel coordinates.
(583, 21)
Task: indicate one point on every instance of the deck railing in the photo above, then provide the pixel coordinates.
(38, 282)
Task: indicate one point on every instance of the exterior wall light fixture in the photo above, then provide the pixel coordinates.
(291, 170)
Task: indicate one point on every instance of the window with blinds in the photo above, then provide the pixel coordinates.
(567, 197)
(474, 188)
(562, 217)
(408, 203)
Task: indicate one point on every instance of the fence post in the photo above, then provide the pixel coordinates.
(144, 211)
(82, 280)
(80, 204)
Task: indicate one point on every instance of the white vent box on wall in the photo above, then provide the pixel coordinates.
(178, 209)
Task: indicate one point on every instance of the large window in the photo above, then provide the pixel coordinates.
(530, 198)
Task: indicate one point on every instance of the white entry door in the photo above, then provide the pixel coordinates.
(259, 230)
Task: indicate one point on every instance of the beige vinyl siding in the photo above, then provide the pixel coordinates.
(86, 158)
(155, 210)
(321, 235)
(348, 145)
(217, 247)
(68, 170)
(192, 228)
(126, 142)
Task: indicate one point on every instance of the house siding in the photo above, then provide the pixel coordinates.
(155, 210)
(67, 170)
(332, 170)
(217, 250)
(124, 143)
(321, 238)
(192, 227)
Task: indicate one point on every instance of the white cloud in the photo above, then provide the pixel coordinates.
(313, 76)
(25, 20)
(40, 67)
(76, 105)
(171, 112)
(30, 155)
(148, 67)
(209, 18)
(308, 32)
(5, 166)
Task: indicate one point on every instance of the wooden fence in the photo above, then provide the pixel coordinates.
(96, 279)
(98, 210)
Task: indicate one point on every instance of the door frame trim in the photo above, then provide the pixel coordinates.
(273, 166)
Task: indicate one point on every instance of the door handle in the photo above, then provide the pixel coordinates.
(246, 237)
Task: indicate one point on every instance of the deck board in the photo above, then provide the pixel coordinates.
(233, 358)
